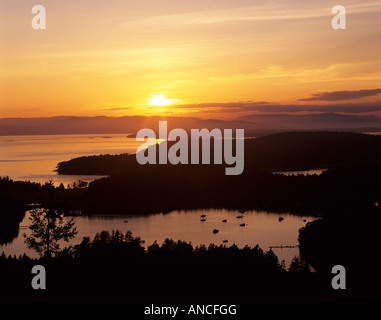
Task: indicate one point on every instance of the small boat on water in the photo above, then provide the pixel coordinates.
(241, 211)
(239, 217)
(225, 241)
(225, 220)
(216, 231)
(242, 225)
(280, 219)
(203, 215)
(202, 220)
(125, 221)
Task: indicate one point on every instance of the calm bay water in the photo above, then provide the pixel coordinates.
(34, 158)
(261, 228)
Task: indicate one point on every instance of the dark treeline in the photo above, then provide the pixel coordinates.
(154, 189)
(18, 196)
(14, 195)
(117, 265)
(350, 241)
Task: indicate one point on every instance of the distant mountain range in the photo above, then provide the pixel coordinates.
(314, 121)
(253, 124)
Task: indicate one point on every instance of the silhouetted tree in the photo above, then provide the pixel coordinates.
(298, 265)
(48, 228)
(82, 184)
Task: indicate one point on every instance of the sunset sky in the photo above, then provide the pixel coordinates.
(216, 58)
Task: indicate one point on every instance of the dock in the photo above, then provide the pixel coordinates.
(283, 247)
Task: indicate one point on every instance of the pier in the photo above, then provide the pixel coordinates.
(283, 247)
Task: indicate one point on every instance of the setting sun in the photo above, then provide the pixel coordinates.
(159, 101)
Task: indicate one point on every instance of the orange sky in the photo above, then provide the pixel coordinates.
(110, 57)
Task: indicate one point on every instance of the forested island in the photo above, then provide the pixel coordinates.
(350, 182)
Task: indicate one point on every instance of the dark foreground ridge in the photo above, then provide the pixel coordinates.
(116, 265)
